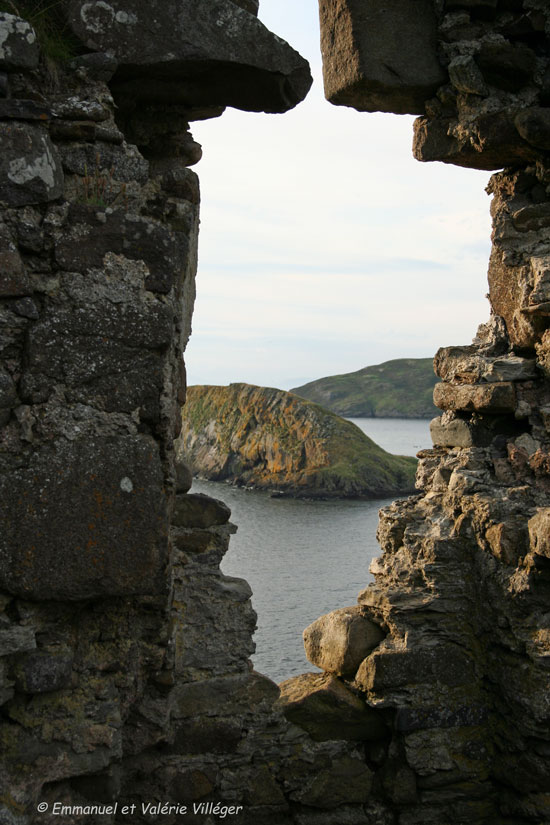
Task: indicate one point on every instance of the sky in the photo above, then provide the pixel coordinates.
(324, 246)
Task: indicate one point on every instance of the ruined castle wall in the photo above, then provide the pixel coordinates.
(462, 586)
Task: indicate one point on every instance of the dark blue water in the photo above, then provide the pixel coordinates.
(305, 558)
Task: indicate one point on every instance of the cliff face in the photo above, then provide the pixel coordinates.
(272, 439)
(402, 388)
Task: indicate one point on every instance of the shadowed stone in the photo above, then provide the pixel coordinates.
(97, 231)
(493, 142)
(339, 641)
(16, 639)
(534, 126)
(496, 398)
(380, 56)
(199, 510)
(505, 65)
(193, 52)
(85, 519)
(445, 663)
(44, 671)
(30, 169)
(348, 780)
(327, 709)
(14, 281)
(18, 43)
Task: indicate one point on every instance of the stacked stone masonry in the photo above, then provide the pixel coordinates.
(124, 651)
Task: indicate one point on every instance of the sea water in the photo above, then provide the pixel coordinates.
(305, 558)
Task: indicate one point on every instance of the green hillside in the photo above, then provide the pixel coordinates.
(395, 389)
(273, 440)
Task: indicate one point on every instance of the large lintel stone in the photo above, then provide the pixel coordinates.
(197, 53)
(380, 55)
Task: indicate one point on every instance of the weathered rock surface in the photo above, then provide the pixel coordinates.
(274, 440)
(327, 709)
(18, 43)
(30, 168)
(462, 586)
(197, 53)
(91, 549)
(339, 641)
(380, 56)
(124, 650)
(475, 71)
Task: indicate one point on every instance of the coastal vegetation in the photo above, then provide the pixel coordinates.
(47, 17)
(401, 388)
(271, 439)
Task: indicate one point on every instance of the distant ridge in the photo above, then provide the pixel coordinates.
(401, 388)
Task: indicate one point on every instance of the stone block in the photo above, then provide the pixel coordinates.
(399, 783)
(339, 641)
(389, 669)
(467, 365)
(108, 353)
(192, 784)
(207, 736)
(491, 142)
(96, 231)
(347, 815)
(85, 519)
(210, 697)
(451, 432)
(102, 161)
(159, 44)
(23, 110)
(184, 477)
(199, 510)
(346, 781)
(14, 281)
(327, 709)
(73, 130)
(18, 43)
(8, 396)
(16, 639)
(533, 124)
(491, 398)
(98, 65)
(505, 65)
(507, 541)
(466, 76)
(380, 56)
(409, 719)
(251, 6)
(539, 532)
(477, 430)
(44, 671)
(30, 167)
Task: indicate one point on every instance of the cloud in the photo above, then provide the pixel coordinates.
(318, 226)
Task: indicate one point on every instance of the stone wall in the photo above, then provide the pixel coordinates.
(462, 589)
(124, 652)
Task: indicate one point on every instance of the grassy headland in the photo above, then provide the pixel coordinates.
(395, 389)
(271, 439)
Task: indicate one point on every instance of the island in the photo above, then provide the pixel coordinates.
(273, 440)
(401, 388)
